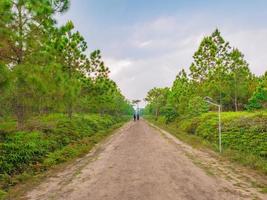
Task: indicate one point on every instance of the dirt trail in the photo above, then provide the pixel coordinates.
(142, 163)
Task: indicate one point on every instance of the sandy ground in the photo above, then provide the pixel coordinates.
(140, 162)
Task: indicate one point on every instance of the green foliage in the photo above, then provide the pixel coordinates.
(218, 71)
(73, 150)
(21, 149)
(2, 194)
(222, 74)
(157, 97)
(197, 106)
(169, 113)
(44, 68)
(181, 92)
(67, 152)
(4, 84)
(244, 132)
(259, 97)
(202, 131)
(4, 76)
(44, 135)
(47, 141)
(240, 80)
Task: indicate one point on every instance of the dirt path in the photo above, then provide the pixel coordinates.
(141, 163)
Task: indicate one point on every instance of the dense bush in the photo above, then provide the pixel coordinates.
(44, 135)
(242, 131)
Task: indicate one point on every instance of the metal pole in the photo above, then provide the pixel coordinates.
(220, 130)
(209, 100)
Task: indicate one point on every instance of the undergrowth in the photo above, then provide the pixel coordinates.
(47, 141)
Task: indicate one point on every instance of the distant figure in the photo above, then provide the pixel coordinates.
(137, 116)
(134, 116)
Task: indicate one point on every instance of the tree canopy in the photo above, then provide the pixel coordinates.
(218, 71)
(45, 68)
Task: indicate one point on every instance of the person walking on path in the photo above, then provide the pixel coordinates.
(134, 116)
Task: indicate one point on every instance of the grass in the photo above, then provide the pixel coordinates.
(264, 190)
(197, 162)
(193, 140)
(46, 142)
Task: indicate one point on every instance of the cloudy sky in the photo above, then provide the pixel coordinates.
(146, 43)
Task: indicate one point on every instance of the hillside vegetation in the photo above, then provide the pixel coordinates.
(219, 76)
(243, 135)
(242, 131)
(47, 141)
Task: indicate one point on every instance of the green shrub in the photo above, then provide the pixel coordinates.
(21, 149)
(244, 135)
(47, 134)
(242, 131)
(2, 194)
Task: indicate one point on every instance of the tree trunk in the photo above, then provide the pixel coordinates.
(20, 115)
(70, 110)
(20, 48)
(19, 107)
(236, 103)
(157, 113)
(70, 106)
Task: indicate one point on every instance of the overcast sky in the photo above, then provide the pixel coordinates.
(145, 43)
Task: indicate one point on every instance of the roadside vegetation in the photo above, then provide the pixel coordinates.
(47, 141)
(221, 73)
(56, 99)
(243, 139)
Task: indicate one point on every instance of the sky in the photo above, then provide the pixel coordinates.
(145, 43)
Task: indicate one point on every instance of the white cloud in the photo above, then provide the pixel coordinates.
(169, 47)
(144, 53)
(253, 43)
(116, 65)
(144, 44)
(150, 54)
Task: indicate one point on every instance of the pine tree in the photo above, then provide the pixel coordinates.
(259, 97)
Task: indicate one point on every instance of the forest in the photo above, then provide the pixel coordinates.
(46, 69)
(220, 73)
(56, 99)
